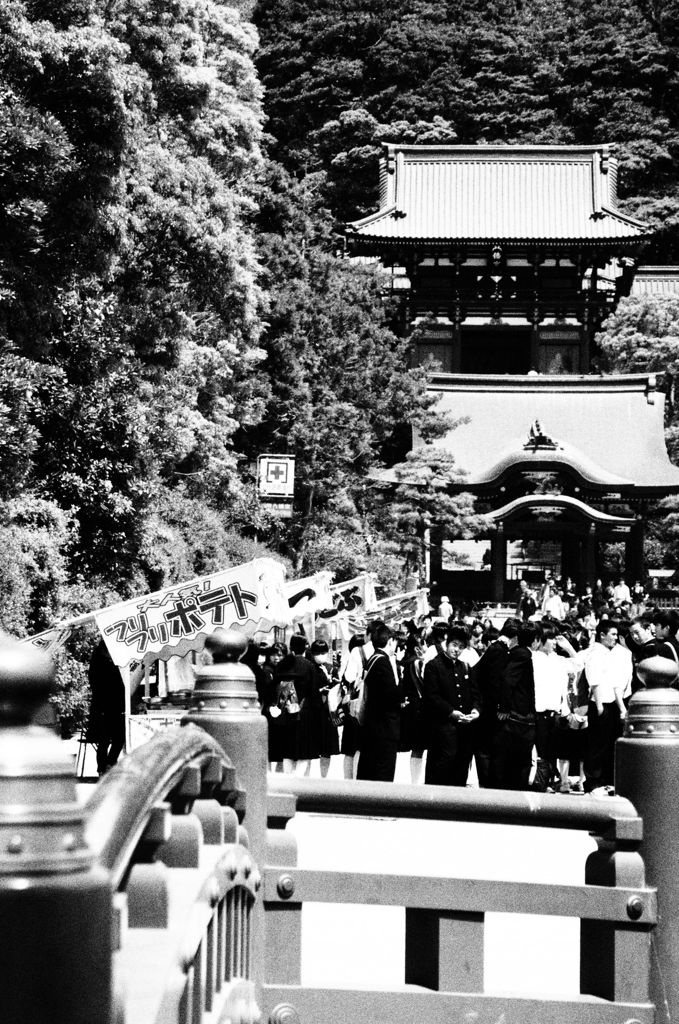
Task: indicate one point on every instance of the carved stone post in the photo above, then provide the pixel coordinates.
(647, 773)
(56, 916)
(225, 704)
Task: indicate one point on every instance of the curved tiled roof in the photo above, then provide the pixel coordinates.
(564, 456)
(609, 430)
(563, 502)
(496, 194)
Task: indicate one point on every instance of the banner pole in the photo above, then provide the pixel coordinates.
(125, 673)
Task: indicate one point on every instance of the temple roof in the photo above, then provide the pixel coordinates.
(656, 281)
(608, 430)
(449, 194)
(556, 503)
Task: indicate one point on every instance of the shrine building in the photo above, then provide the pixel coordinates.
(509, 258)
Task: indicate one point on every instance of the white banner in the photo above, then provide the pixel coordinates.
(397, 609)
(50, 641)
(176, 620)
(355, 597)
(308, 596)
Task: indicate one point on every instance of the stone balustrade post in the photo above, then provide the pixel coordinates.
(225, 705)
(56, 914)
(647, 773)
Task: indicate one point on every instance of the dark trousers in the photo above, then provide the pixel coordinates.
(482, 759)
(377, 759)
(484, 731)
(449, 754)
(512, 755)
(110, 740)
(545, 743)
(602, 732)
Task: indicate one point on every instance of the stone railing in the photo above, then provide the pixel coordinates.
(165, 898)
(445, 917)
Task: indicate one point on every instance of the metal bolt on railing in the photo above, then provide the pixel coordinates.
(284, 1013)
(286, 887)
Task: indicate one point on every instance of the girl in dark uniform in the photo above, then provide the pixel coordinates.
(413, 731)
(298, 698)
(272, 712)
(351, 731)
(326, 738)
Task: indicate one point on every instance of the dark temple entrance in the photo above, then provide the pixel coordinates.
(495, 350)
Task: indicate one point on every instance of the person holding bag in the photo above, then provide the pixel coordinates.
(571, 741)
(326, 737)
(352, 674)
(296, 697)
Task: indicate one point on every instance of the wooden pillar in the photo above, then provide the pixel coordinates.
(590, 566)
(534, 315)
(435, 941)
(433, 578)
(587, 315)
(634, 553)
(570, 562)
(456, 317)
(456, 351)
(499, 563)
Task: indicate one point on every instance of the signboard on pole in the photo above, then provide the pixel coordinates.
(276, 483)
(276, 476)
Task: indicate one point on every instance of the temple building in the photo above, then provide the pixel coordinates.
(509, 258)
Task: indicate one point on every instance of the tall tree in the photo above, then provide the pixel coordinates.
(342, 389)
(129, 158)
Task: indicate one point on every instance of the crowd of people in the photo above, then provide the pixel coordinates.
(535, 704)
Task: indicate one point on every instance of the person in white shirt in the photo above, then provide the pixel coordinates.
(436, 641)
(550, 672)
(469, 656)
(621, 592)
(351, 674)
(609, 673)
(553, 605)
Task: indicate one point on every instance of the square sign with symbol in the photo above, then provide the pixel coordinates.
(276, 476)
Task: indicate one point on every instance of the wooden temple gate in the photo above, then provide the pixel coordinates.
(174, 894)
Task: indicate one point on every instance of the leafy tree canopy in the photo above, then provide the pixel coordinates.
(341, 76)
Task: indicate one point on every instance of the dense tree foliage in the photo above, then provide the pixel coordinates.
(341, 75)
(172, 303)
(173, 295)
(341, 387)
(643, 336)
(130, 308)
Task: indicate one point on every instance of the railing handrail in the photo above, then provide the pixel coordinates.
(120, 806)
(445, 803)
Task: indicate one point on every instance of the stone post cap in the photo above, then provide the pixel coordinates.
(654, 711)
(226, 686)
(226, 645)
(26, 681)
(41, 821)
(657, 672)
